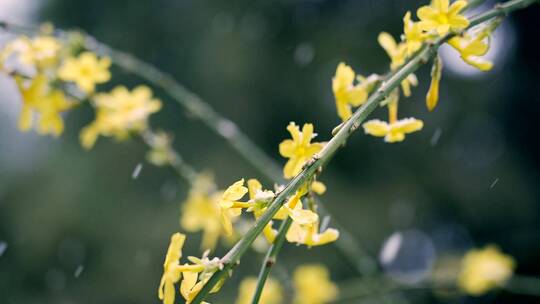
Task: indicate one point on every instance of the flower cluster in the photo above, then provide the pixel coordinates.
(192, 276)
(435, 22)
(485, 269)
(55, 75)
(311, 284)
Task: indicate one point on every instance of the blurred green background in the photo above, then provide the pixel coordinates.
(76, 228)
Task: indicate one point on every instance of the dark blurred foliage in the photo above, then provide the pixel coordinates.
(263, 64)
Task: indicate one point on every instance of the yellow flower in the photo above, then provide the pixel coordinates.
(299, 149)
(38, 99)
(396, 52)
(293, 208)
(41, 51)
(414, 36)
(346, 93)
(193, 282)
(260, 199)
(230, 206)
(318, 187)
(201, 211)
(272, 292)
(171, 271)
(86, 71)
(120, 112)
(312, 285)
(440, 17)
(160, 153)
(394, 130)
(485, 269)
(471, 46)
(398, 55)
(433, 93)
(309, 234)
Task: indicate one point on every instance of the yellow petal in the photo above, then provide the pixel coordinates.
(409, 125)
(188, 282)
(376, 127)
(286, 148)
(235, 192)
(457, 7)
(254, 186)
(387, 42)
(318, 187)
(328, 236)
(303, 217)
(25, 118)
(433, 93)
(479, 63)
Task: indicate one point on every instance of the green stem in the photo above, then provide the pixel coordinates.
(422, 56)
(270, 259)
(183, 169)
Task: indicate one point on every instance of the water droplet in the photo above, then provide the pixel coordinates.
(435, 138)
(136, 171)
(78, 271)
(304, 54)
(407, 256)
(494, 183)
(3, 248)
(391, 248)
(227, 128)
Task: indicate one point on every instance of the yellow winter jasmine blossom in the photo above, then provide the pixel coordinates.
(432, 96)
(171, 272)
(309, 234)
(193, 282)
(37, 99)
(313, 286)
(160, 152)
(86, 71)
(394, 130)
(398, 55)
(272, 292)
(346, 93)
(299, 149)
(474, 44)
(41, 51)
(414, 36)
(396, 52)
(230, 206)
(260, 199)
(120, 112)
(440, 17)
(485, 269)
(201, 211)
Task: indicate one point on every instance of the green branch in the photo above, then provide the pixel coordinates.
(232, 258)
(270, 259)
